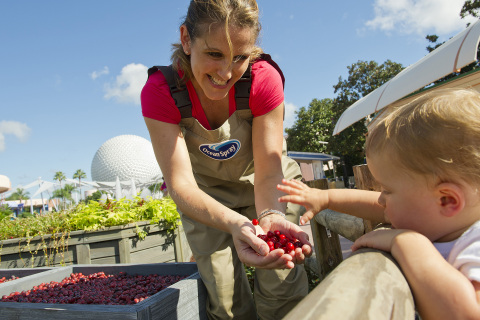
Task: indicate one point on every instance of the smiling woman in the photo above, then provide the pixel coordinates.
(215, 118)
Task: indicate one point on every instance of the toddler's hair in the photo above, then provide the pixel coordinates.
(437, 135)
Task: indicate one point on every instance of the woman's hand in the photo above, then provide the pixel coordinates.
(314, 200)
(254, 252)
(276, 222)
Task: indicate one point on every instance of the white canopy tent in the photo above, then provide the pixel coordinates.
(118, 189)
(450, 57)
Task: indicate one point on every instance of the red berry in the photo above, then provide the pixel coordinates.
(290, 247)
(255, 222)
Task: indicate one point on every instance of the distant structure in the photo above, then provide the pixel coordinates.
(126, 157)
(5, 184)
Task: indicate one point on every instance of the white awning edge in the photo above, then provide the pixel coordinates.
(454, 54)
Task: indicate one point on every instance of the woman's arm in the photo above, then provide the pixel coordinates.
(172, 156)
(267, 139)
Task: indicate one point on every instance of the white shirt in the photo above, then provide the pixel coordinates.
(465, 252)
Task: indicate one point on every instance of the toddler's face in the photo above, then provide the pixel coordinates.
(408, 201)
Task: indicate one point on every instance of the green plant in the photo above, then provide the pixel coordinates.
(94, 216)
(55, 227)
(5, 212)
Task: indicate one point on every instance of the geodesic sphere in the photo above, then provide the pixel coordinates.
(125, 157)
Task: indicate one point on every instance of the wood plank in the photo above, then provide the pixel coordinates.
(153, 255)
(367, 285)
(349, 227)
(83, 253)
(328, 252)
(124, 250)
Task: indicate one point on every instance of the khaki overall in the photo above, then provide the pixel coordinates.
(231, 183)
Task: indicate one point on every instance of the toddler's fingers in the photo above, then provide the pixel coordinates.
(291, 198)
(307, 216)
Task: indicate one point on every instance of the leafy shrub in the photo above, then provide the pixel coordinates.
(5, 212)
(94, 216)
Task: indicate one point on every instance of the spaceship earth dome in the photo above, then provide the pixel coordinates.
(125, 157)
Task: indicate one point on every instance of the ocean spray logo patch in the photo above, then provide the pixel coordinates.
(221, 151)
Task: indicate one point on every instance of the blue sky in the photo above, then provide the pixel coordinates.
(71, 71)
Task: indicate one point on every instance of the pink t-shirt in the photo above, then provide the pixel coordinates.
(265, 95)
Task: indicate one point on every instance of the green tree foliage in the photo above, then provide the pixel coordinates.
(64, 193)
(363, 78)
(19, 194)
(316, 123)
(95, 196)
(470, 7)
(312, 128)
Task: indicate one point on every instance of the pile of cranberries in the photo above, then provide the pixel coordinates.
(97, 288)
(277, 240)
(5, 279)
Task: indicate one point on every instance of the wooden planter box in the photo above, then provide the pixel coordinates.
(185, 299)
(119, 244)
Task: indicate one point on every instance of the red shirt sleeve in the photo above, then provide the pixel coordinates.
(157, 102)
(267, 88)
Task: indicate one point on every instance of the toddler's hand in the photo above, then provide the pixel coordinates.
(314, 200)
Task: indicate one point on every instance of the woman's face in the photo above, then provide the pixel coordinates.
(214, 71)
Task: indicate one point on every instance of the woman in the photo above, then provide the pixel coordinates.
(205, 142)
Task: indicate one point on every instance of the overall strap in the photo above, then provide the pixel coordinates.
(242, 90)
(179, 93)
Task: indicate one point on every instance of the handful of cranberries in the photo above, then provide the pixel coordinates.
(277, 240)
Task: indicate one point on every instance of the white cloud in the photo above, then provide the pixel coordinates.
(128, 85)
(422, 17)
(290, 115)
(96, 74)
(18, 129)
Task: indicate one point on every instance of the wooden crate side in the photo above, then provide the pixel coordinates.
(162, 240)
(190, 293)
(153, 255)
(38, 259)
(103, 249)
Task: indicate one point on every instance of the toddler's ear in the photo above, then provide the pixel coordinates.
(451, 198)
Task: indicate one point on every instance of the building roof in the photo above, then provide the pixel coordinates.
(310, 156)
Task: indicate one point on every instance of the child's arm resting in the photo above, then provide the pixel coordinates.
(440, 290)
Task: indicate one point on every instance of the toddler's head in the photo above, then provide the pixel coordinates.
(436, 135)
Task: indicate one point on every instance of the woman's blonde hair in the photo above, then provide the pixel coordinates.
(436, 135)
(202, 14)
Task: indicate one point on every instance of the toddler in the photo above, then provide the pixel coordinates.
(426, 157)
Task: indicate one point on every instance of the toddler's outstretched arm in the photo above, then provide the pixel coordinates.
(359, 203)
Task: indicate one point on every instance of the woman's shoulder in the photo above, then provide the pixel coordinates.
(263, 71)
(156, 100)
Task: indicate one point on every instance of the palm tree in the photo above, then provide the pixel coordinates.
(64, 193)
(19, 194)
(59, 176)
(79, 174)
